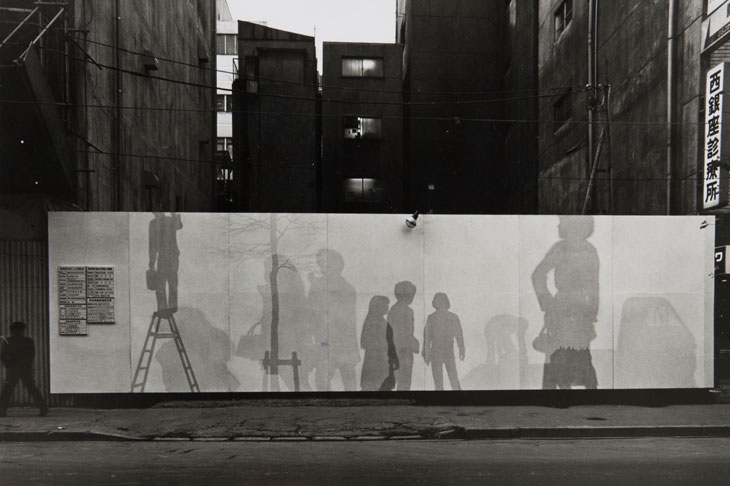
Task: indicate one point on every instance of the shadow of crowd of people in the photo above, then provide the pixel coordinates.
(321, 327)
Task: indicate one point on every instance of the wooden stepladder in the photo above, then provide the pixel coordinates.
(148, 350)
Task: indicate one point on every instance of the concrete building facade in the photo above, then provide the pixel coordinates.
(154, 124)
(362, 128)
(631, 148)
(453, 69)
(276, 122)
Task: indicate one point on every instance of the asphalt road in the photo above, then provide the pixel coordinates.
(542, 462)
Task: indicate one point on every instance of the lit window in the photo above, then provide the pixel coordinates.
(357, 67)
(563, 17)
(363, 190)
(361, 128)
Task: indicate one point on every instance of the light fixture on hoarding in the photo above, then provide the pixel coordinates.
(411, 220)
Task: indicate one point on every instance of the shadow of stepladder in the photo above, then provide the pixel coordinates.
(208, 349)
(655, 348)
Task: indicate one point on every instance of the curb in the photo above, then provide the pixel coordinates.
(607, 432)
(456, 433)
(54, 436)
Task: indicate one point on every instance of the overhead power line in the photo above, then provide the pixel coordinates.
(337, 115)
(307, 167)
(322, 99)
(302, 83)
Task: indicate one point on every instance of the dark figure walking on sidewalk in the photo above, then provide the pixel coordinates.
(18, 352)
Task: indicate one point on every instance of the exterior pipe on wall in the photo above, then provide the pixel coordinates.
(591, 82)
(670, 97)
(117, 165)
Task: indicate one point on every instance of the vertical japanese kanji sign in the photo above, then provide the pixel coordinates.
(714, 186)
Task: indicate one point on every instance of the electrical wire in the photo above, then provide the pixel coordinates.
(307, 167)
(489, 120)
(337, 115)
(573, 91)
(302, 83)
(322, 99)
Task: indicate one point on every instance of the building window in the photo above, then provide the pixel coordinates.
(225, 144)
(361, 190)
(563, 17)
(226, 44)
(251, 71)
(224, 103)
(361, 128)
(359, 67)
(562, 110)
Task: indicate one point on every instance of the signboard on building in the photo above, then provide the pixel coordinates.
(721, 253)
(100, 295)
(714, 184)
(717, 23)
(72, 301)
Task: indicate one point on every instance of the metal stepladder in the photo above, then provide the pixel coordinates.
(145, 357)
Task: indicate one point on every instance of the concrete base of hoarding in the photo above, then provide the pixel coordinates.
(544, 398)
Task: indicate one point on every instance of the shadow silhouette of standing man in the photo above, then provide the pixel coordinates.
(442, 329)
(333, 301)
(165, 259)
(18, 353)
(400, 317)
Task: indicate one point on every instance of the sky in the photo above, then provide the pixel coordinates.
(328, 20)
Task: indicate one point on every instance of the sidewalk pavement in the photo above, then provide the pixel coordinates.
(352, 419)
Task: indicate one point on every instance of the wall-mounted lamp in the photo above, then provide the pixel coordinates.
(411, 220)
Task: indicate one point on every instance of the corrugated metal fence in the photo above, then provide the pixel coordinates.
(24, 297)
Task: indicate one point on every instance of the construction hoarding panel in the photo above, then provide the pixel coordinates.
(286, 302)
